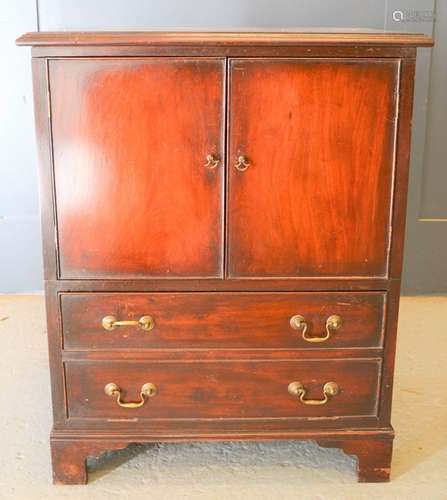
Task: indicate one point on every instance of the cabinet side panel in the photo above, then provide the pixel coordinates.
(46, 188)
(406, 87)
(403, 144)
(43, 137)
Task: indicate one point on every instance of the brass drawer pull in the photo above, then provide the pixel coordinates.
(145, 323)
(297, 389)
(298, 322)
(242, 163)
(148, 390)
(211, 161)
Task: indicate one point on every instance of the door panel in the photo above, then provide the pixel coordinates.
(133, 195)
(316, 198)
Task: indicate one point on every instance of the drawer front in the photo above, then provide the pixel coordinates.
(222, 320)
(240, 389)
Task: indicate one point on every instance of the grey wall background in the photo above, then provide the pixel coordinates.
(425, 268)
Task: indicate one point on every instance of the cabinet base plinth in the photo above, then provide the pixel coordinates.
(373, 457)
(372, 449)
(68, 458)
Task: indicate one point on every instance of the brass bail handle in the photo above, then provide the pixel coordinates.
(111, 322)
(212, 161)
(242, 163)
(297, 389)
(298, 322)
(148, 390)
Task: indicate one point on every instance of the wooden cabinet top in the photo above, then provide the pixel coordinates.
(228, 38)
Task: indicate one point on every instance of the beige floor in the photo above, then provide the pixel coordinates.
(278, 470)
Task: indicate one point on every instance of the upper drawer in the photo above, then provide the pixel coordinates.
(222, 320)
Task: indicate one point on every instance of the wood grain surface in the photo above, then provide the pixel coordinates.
(256, 38)
(222, 389)
(316, 199)
(215, 320)
(314, 226)
(130, 144)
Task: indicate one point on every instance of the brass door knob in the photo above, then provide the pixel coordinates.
(148, 390)
(212, 161)
(297, 389)
(298, 322)
(111, 322)
(242, 163)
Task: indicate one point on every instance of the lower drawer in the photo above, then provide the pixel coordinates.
(222, 389)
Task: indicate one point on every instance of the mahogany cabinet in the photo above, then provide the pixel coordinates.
(223, 221)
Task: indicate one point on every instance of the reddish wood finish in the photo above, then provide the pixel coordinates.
(204, 429)
(252, 354)
(320, 139)
(120, 62)
(403, 137)
(226, 285)
(190, 38)
(372, 449)
(215, 320)
(373, 457)
(46, 179)
(69, 458)
(363, 51)
(130, 144)
(222, 389)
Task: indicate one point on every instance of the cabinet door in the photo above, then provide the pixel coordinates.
(134, 197)
(318, 138)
